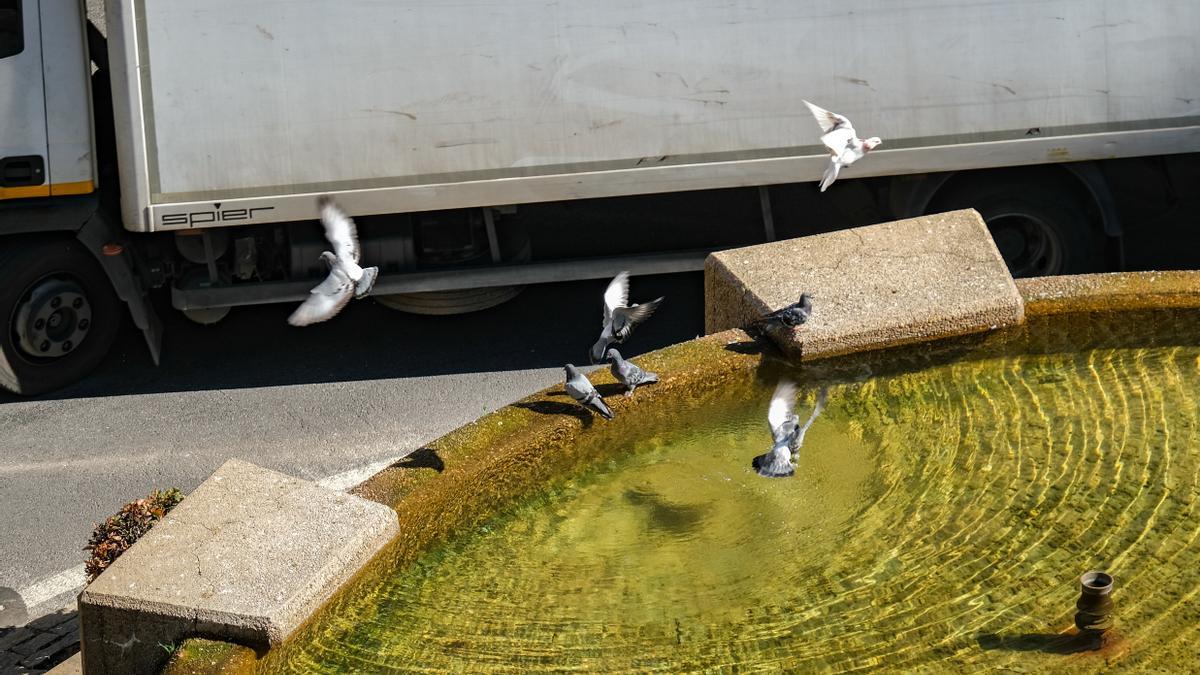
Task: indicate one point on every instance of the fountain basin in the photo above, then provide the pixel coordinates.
(937, 502)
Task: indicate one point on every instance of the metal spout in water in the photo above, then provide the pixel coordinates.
(1095, 603)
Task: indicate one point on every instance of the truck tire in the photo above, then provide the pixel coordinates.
(1039, 231)
(517, 248)
(450, 302)
(60, 312)
(207, 316)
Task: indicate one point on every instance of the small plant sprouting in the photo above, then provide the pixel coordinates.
(112, 537)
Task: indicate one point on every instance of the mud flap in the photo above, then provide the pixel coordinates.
(95, 233)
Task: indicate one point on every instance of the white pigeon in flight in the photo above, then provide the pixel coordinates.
(845, 147)
(620, 319)
(346, 278)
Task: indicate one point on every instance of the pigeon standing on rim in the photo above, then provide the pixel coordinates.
(788, 317)
(786, 432)
(629, 373)
(346, 278)
(839, 137)
(619, 319)
(581, 389)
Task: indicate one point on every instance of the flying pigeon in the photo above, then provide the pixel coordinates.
(620, 319)
(788, 317)
(786, 432)
(584, 393)
(628, 373)
(845, 147)
(346, 279)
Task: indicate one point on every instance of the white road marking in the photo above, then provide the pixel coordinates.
(348, 479)
(53, 586)
(75, 578)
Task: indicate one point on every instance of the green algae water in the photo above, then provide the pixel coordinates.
(940, 516)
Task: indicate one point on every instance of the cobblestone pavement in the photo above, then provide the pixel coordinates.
(40, 644)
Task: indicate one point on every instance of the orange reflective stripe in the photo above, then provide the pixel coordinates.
(82, 187)
(24, 191)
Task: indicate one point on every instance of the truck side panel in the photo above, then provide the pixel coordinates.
(22, 103)
(68, 99)
(428, 104)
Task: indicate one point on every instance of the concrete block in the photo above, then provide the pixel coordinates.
(878, 286)
(247, 557)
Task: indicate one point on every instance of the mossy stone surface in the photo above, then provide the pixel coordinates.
(198, 656)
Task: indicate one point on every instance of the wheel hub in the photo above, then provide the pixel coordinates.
(53, 318)
(1029, 246)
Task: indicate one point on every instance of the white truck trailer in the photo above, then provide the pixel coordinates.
(192, 158)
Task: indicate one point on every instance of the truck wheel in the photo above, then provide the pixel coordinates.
(515, 247)
(61, 314)
(450, 302)
(207, 316)
(1039, 231)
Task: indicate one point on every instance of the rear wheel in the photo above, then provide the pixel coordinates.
(450, 302)
(445, 241)
(1040, 231)
(61, 314)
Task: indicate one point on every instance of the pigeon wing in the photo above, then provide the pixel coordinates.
(331, 285)
(339, 230)
(616, 295)
(827, 119)
(632, 373)
(838, 142)
(324, 301)
(783, 401)
(577, 387)
(625, 318)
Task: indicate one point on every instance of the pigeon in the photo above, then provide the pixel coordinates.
(845, 147)
(628, 373)
(584, 393)
(786, 432)
(789, 317)
(620, 319)
(798, 439)
(346, 279)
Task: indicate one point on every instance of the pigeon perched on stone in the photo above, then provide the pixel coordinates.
(346, 278)
(788, 317)
(628, 373)
(839, 137)
(786, 432)
(620, 317)
(581, 389)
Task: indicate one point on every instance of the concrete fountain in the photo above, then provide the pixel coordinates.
(264, 564)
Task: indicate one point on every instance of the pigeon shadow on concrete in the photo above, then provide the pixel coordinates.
(749, 347)
(575, 410)
(424, 458)
(610, 389)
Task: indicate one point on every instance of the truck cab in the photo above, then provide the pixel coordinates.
(57, 302)
(46, 147)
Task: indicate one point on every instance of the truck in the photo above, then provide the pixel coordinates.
(179, 149)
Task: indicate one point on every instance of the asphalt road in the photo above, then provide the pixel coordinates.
(353, 393)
